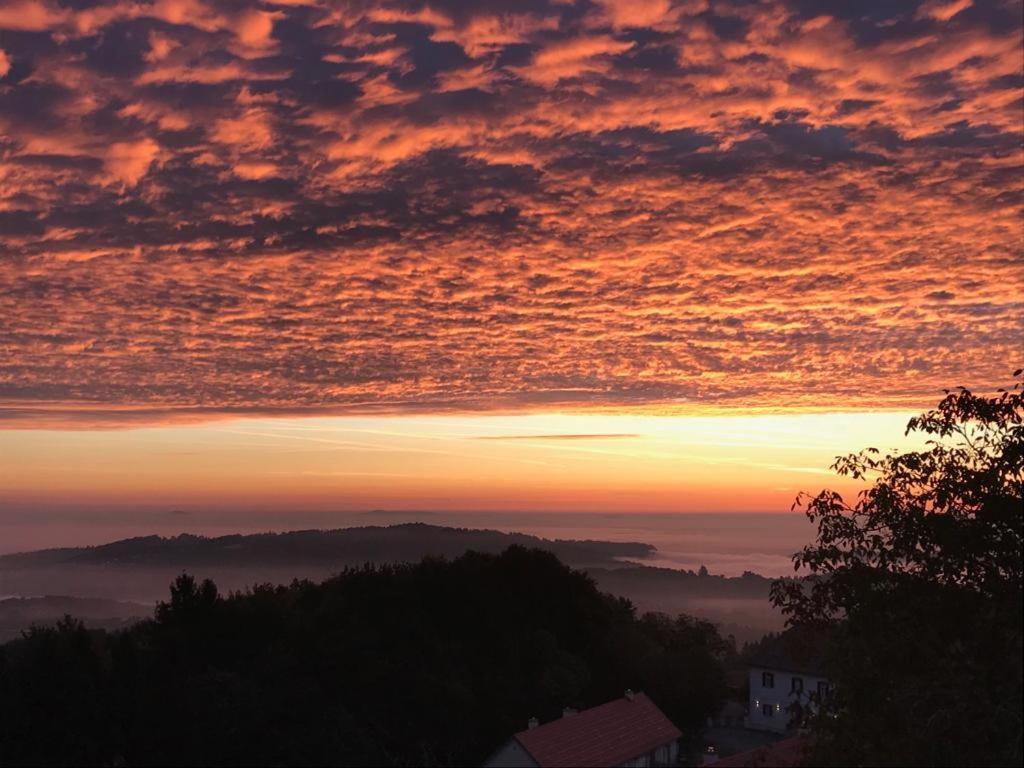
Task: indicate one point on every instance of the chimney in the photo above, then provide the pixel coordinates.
(629, 694)
(567, 711)
(532, 723)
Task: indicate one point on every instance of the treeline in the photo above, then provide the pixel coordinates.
(657, 582)
(19, 613)
(429, 664)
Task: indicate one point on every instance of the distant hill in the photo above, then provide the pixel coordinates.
(141, 568)
(19, 613)
(406, 542)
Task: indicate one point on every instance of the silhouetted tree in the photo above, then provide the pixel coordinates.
(429, 664)
(921, 581)
(55, 698)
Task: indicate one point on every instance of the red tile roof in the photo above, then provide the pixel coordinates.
(607, 735)
(787, 753)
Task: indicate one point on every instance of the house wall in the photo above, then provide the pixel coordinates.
(778, 697)
(665, 755)
(511, 755)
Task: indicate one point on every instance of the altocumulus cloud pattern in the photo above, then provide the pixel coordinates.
(221, 207)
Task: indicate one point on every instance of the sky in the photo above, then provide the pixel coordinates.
(533, 254)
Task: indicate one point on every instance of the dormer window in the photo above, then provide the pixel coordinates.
(767, 679)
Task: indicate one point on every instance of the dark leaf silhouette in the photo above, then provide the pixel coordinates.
(921, 580)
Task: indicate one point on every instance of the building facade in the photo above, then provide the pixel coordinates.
(774, 691)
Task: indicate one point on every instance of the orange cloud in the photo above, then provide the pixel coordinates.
(129, 161)
(30, 15)
(554, 205)
(571, 58)
(249, 130)
(253, 29)
(635, 13)
(944, 10)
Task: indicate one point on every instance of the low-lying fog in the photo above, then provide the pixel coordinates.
(726, 544)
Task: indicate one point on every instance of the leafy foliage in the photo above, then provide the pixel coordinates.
(921, 581)
(436, 663)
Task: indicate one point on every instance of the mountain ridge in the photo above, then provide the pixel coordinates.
(321, 547)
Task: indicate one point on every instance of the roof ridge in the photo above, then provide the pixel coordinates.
(606, 734)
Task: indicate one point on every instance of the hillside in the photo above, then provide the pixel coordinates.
(407, 542)
(141, 568)
(19, 613)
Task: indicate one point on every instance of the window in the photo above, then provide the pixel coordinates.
(767, 679)
(823, 688)
(798, 685)
(768, 710)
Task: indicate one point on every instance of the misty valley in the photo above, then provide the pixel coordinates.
(109, 585)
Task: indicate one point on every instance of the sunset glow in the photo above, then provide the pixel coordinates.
(557, 462)
(629, 256)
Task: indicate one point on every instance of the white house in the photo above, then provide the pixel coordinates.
(773, 691)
